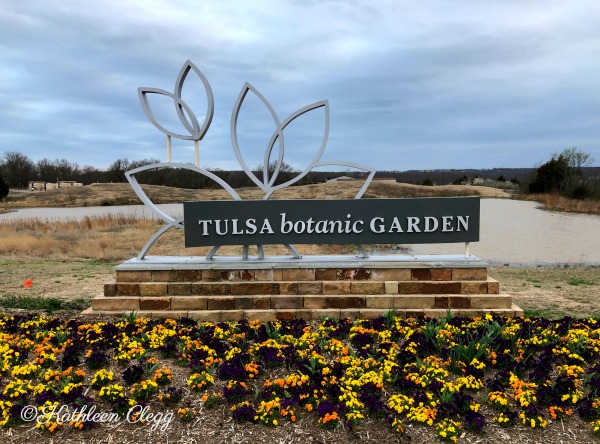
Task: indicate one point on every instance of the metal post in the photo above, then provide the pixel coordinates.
(168, 148)
(467, 253)
(197, 153)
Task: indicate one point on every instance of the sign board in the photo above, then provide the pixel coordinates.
(368, 221)
(238, 222)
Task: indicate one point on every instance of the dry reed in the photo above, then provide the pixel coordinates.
(554, 202)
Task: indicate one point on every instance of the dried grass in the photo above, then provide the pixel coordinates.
(107, 237)
(122, 194)
(554, 202)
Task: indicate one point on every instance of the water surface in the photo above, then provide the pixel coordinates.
(512, 231)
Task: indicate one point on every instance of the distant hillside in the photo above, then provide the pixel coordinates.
(109, 194)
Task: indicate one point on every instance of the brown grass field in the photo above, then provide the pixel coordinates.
(122, 194)
(72, 260)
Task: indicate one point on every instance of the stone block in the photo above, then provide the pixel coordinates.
(473, 287)
(189, 275)
(254, 288)
(205, 315)
(188, 303)
(134, 276)
(153, 289)
(508, 312)
(263, 275)
(287, 302)
(298, 274)
(353, 315)
(220, 303)
(469, 274)
(414, 301)
(391, 274)
(211, 275)
(260, 315)
(336, 287)
(307, 315)
(367, 288)
(420, 274)
(110, 289)
(164, 275)
(261, 302)
(493, 286)
(362, 274)
(310, 288)
(345, 302)
(386, 302)
(244, 303)
(285, 315)
(409, 287)
(414, 313)
(435, 313)
(154, 304)
(440, 287)
(371, 313)
(345, 275)
(237, 275)
(491, 301)
(128, 289)
(391, 287)
(326, 274)
(167, 314)
(519, 313)
(452, 301)
(332, 313)
(278, 275)
(180, 288)
(441, 274)
(314, 302)
(115, 303)
(232, 315)
(211, 289)
(467, 313)
(288, 288)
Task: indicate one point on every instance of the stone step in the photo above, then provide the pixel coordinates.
(296, 302)
(400, 272)
(247, 288)
(271, 315)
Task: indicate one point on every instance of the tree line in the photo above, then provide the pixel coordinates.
(562, 174)
(17, 170)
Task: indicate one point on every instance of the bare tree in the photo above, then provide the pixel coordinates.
(17, 169)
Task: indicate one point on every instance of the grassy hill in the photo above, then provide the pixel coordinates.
(109, 194)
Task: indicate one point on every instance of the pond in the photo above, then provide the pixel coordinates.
(512, 231)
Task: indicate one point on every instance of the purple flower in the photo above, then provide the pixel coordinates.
(474, 421)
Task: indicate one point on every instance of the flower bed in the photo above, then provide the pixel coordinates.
(452, 375)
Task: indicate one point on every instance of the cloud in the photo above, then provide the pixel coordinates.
(422, 85)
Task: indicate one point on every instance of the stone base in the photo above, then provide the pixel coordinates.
(308, 288)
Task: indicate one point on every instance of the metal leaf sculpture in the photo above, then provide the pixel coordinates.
(197, 132)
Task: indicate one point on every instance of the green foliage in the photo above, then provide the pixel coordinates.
(551, 177)
(580, 192)
(3, 188)
(562, 174)
(463, 180)
(39, 303)
(577, 282)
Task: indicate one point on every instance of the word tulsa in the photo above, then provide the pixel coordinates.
(376, 225)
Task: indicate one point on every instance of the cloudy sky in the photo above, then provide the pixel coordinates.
(411, 85)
